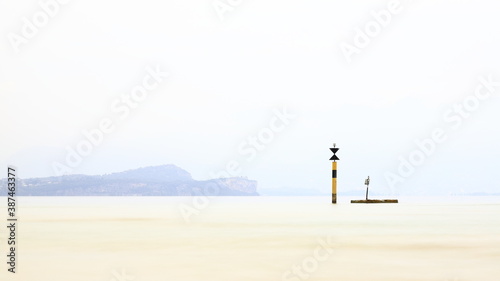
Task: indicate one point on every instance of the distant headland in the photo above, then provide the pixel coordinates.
(165, 180)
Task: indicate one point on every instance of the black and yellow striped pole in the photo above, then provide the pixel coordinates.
(334, 174)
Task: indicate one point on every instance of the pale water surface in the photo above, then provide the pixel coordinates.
(254, 238)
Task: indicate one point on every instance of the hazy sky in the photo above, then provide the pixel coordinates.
(257, 88)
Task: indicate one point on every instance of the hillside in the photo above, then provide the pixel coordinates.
(166, 180)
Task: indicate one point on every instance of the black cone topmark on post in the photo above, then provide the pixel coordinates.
(334, 150)
(334, 174)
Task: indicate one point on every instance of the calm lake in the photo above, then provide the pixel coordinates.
(253, 238)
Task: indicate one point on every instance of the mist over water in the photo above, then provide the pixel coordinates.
(256, 238)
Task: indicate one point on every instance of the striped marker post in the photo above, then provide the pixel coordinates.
(334, 174)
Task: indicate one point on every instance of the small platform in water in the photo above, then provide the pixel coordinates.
(375, 201)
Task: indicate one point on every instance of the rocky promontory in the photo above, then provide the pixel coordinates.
(165, 180)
